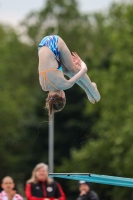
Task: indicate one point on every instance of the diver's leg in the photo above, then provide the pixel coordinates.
(66, 59)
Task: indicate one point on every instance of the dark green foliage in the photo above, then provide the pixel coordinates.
(88, 138)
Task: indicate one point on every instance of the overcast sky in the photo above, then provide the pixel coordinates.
(12, 11)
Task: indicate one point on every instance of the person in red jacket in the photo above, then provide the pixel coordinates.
(41, 187)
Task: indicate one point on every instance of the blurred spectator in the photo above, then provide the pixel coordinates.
(42, 187)
(8, 192)
(85, 192)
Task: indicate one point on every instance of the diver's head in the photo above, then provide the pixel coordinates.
(55, 101)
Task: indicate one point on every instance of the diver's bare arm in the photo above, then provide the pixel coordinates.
(66, 84)
(82, 85)
(78, 75)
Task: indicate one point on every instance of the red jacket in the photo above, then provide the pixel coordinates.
(42, 190)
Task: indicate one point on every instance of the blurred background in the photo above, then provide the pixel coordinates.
(87, 138)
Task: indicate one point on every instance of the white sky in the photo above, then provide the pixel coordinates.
(12, 11)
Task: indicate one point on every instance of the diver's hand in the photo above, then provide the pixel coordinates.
(76, 59)
(78, 62)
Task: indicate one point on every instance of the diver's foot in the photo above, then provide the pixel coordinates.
(90, 97)
(95, 93)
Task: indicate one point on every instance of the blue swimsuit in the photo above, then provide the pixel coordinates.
(52, 43)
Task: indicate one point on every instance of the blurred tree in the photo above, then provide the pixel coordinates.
(14, 98)
(53, 19)
(111, 153)
(26, 130)
(103, 130)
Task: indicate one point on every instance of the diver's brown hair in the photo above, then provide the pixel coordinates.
(55, 103)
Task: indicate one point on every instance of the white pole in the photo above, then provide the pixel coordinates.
(51, 145)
